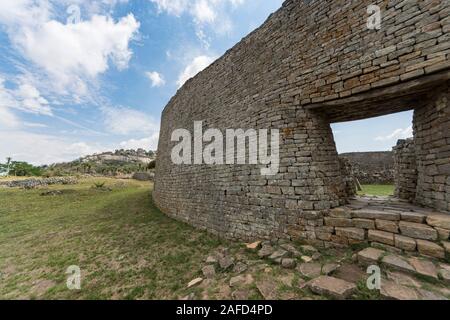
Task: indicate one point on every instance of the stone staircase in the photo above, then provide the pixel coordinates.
(407, 277)
(392, 225)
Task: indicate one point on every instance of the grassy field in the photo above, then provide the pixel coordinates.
(117, 237)
(377, 190)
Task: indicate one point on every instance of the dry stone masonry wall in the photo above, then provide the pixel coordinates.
(405, 170)
(310, 64)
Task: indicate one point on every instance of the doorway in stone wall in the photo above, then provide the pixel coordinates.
(366, 147)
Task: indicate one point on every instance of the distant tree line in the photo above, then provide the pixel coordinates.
(19, 168)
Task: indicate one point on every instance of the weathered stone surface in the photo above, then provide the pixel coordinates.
(403, 279)
(386, 225)
(439, 220)
(370, 256)
(338, 222)
(240, 267)
(364, 223)
(241, 280)
(268, 288)
(444, 272)
(405, 243)
(291, 249)
(398, 263)
(417, 231)
(351, 233)
(310, 270)
(252, 89)
(391, 290)
(209, 271)
(265, 251)
(329, 268)
(336, 288)
(376, 214)
(194, 282)
(424, 267)
(278, 254)
(443, 234)
(242, 294)
(430, 249)
(288, 263)
(341, 213)
(382, 237)
(413, 217)
(211, 260)
(308, 249)
(446, 246)
(253, 246)
(226, 262)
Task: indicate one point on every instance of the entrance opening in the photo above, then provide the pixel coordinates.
(366, 147)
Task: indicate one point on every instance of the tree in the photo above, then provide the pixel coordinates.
(8, 163)
(22, 169)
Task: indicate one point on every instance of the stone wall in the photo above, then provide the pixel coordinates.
(310, 64)
(372, 167)
(405, 170)
(432, 143)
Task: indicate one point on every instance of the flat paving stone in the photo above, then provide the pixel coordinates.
(330, 286)
(310, 270)
(391, 290)
(398, 263)
(424, 267)
(370, 255)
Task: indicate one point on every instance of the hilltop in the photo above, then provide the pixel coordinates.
(119, 162)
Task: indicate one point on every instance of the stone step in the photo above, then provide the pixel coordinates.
(333, 287)
(412, 265)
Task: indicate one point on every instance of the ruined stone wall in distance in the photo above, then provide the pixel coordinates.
(405, 170)
(372, 167)
(307, 52)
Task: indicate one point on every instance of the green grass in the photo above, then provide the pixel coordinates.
(126, 248)
(377, 190)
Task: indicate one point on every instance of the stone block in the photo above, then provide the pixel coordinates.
(334, 287)
(431, 249)
(382, 237)
(398, 263)
(341, 213)
(413, 217)
(370, 256)
(338, 222)
(405, 243)
(376, 214)
(364, 223)
(439, 220)
(386, 225)
(351, 233)
(417, 231)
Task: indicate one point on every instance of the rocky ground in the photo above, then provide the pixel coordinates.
(289, 271)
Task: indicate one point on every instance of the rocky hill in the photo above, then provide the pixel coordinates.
(119, 162)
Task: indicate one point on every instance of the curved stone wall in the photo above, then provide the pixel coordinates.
(311, 63)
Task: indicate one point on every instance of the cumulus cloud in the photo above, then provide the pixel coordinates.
(42, 149)
(195, 66)
(156, 78)
(397, 134)
(70, 55)
(126, 121)
(25, 98)
(205, 13)
(148, 143)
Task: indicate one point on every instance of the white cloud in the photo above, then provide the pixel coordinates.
(205, 13)
(126, 121)
(43, 149)
(148, 143)
(25, 98)
(198, 64)
(397, 134)
(70, 55)
(156, 78)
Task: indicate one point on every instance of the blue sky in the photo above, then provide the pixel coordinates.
(82, 76)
